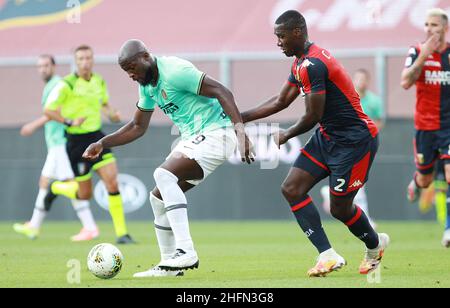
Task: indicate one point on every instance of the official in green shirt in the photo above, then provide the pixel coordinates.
(79, 102)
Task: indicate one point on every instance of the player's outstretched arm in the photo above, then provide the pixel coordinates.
(29, 128)
(128, 133)
(213, 88)
(275, 104)
(315, 106)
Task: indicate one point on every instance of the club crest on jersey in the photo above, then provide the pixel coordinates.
(164, 94)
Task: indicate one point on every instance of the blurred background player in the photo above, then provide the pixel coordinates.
(57, 164)
(436, 194)
(204, 111)
(372, 105)
(84, 94)
(342, 148)
(425, 67)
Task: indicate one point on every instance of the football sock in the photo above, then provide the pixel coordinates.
(84, 214)
(360, 227)
(447, 223)
(39, 212)
(309, 220)
(175, 204)
(440, 198)
(164, 234)
(117, 214)
(68, 189)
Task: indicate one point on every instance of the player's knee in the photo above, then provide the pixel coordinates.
(292, 191)
(424, 180)
(341, 213)
(341, 208)
(112, 186)
(85, 194)
(447, 173)
(163, 176)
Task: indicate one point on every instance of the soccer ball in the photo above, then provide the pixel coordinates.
(105, 261)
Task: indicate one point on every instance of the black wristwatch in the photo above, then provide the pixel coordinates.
(68, 122)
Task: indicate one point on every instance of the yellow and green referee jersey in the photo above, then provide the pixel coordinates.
(177, 95)
(54, 131)
(80, 98)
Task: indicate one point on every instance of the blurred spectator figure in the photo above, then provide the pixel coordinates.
(371, 103)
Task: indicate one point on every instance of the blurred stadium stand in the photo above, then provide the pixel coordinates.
(232, 41)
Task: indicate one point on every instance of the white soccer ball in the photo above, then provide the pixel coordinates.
(105, 261)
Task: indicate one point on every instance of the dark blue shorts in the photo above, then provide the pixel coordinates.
(429, 146)
(347, 165)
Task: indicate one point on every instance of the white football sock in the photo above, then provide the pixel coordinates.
(176, 207)
(84, 214)
(39, 212)
(164, 234)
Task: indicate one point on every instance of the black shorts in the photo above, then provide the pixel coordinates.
(76, 145)
(429, 146)
(347, 165)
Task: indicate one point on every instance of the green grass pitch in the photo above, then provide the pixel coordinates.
(232, 254)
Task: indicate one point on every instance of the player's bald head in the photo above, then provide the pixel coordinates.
(131, 50)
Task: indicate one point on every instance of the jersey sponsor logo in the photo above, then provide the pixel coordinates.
(22, 13)
(356, 184)
(133, 192)
(169, 108)
(437, 77)
(433, 63)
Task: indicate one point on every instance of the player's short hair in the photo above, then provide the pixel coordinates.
(293, 19)
(83, 47)
(438, 12)
(50, 57)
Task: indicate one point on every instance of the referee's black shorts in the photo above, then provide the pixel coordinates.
(76, 145)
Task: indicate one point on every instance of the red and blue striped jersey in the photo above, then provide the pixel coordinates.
(343, 121)
(432, 90)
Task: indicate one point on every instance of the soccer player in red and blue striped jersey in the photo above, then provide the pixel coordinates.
(428, 67)
(342, 148)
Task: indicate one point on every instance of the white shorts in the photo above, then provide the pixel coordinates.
(210, 149)
(57, 165)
